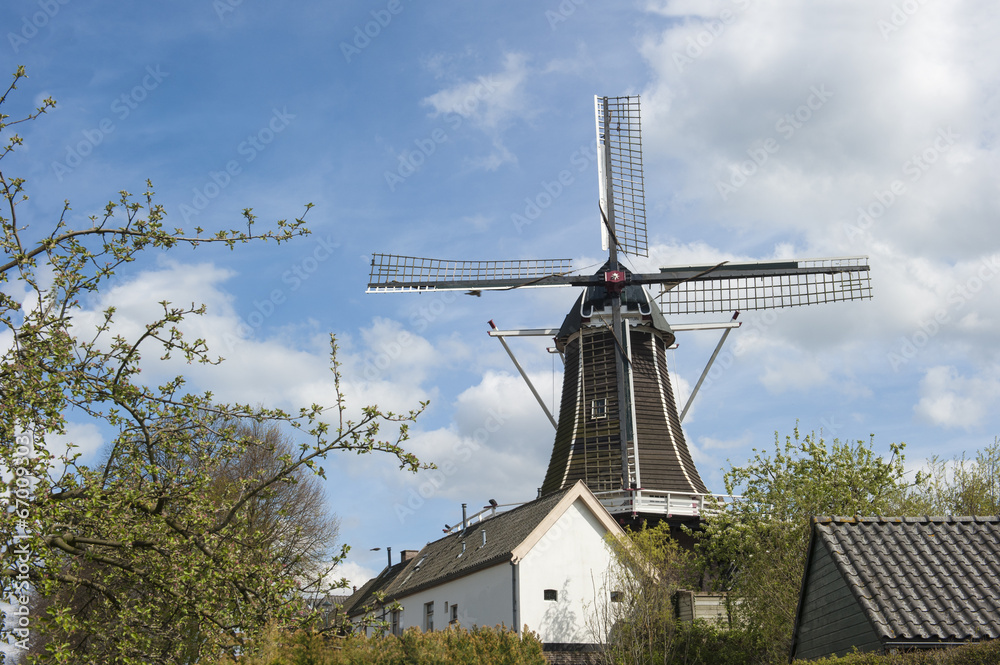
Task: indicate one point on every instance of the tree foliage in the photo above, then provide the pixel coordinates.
(156, 549)
(757, 547)
(964, 485)
(642, 625)
(638, 615)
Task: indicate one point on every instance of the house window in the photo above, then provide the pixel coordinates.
(454, 613)
(598, 409)
(395, 622)
(428, 617)
(551, 594)
(616, 596)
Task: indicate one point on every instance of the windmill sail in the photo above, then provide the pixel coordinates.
(391, 273)
(623, 203)
(749, 286)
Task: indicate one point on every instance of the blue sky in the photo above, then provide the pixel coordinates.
(429, 129)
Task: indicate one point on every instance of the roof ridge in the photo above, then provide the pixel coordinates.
(902, 519)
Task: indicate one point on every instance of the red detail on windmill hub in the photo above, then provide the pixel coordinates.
(614, 280)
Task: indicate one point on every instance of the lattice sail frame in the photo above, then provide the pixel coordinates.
(628, 193)
(829, 280)
(391, 273)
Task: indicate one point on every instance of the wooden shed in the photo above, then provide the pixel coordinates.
(711, 607)
(882, 584)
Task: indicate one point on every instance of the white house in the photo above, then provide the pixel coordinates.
(540, 565)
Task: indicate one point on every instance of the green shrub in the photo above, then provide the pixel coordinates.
(984, 653)
(702, 643)
(455, 646)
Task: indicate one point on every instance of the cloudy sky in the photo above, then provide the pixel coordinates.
(771, 129)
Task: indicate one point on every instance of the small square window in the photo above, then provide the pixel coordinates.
(598, 409)
(551, 594)
(616, 596)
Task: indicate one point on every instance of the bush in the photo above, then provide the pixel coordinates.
(984, 653)
(701, 643)
(455, 646)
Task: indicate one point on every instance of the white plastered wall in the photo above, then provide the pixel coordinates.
(573, 559)
(484, 599)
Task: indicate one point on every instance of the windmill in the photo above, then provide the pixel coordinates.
(619, 428)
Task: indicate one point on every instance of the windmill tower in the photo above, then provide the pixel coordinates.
(619, 428)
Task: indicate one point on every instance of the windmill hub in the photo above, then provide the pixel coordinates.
(595, 308)
(614, 280)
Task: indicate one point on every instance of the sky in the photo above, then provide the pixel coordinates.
(771, 129)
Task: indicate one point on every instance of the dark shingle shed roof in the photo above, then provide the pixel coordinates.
(918, 580)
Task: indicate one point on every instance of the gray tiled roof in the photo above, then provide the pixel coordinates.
(921, 578)
(439, 561)
(363, 599)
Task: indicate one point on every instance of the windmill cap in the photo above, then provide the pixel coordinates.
(596, 299)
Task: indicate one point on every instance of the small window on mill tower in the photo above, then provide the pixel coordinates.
(598, 409)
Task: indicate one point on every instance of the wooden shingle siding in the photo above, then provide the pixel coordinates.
(831, 621)
(570, 413)
(589, 449)
(664, 459)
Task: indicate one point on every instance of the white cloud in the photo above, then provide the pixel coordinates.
(853, 143)
(490, 103)
(682, 391)
(288, 369)
(355, 574)
(793, 371)
(710, 443)
(949, 399)
(498, 446)
(86, 439)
